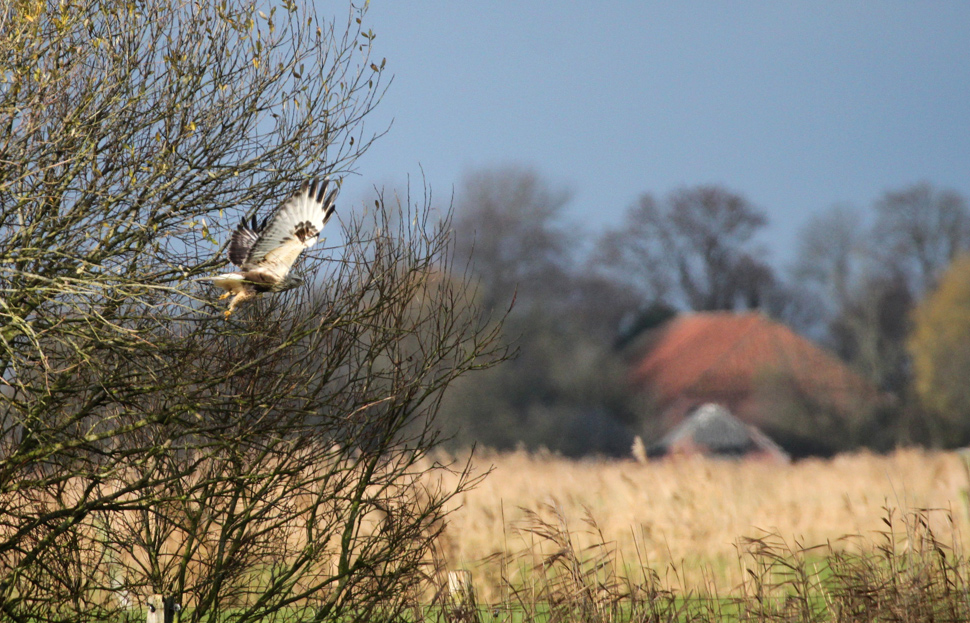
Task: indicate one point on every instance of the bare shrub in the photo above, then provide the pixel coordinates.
(264, 468)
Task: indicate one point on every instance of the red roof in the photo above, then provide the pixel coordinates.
(722, 356)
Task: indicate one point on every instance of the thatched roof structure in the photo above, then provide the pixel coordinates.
(712, 431)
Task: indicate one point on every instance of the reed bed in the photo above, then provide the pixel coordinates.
(905, 574)
(695, 522)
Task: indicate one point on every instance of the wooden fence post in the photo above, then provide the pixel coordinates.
(161, 609)
(460, 588)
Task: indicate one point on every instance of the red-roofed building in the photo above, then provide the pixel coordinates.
(755, 367)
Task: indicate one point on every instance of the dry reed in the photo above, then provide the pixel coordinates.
(688, 520)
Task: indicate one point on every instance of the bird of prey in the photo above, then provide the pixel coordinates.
(266, 252)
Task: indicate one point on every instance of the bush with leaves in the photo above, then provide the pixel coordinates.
(940, 348)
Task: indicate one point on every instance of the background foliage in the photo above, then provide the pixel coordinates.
(581, 299)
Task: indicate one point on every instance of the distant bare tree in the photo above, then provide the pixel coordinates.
(634, 254)
(919, 230)
(917, 233)
(862, 302)
(867, 279)
(511, 222)
(832, 260)
(697, 247)
(710, 240)
(832, 254)
(870, 331)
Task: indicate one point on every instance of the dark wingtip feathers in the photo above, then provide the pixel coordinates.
(330, 206)
(317, 191)
(252, 224)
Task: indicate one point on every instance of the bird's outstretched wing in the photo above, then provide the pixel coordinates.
(243, 240)
(292, 228)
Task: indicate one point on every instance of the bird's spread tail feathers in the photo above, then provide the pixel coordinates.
(232, 282)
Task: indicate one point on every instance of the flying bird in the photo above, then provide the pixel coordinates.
(265, 252)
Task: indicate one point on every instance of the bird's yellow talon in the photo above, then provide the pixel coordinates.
(227, 313)
(225, 296)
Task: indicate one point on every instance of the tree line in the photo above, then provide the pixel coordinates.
(856, 281)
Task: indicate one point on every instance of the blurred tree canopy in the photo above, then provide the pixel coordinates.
(919, 231)
(855, 281)
(867, 273)
(510, 222)
(565, 390)
(697, 249)
(940, 348)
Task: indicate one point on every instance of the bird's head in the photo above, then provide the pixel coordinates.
(288, 283)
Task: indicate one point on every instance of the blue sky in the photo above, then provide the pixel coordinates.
(797, 105)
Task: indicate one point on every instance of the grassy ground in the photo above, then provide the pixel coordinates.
(904, 573)
(699, 525)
